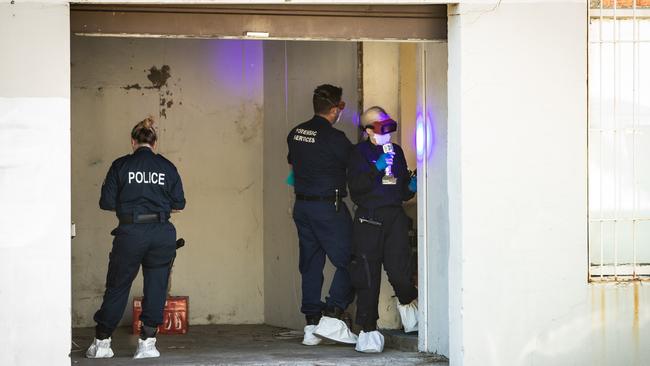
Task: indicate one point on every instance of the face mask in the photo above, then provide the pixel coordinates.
(382, 139)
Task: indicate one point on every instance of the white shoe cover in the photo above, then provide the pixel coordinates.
(310, 339)
(146, 349)
(371, 342)
(100, 349)
(409, 315)
(335, 330)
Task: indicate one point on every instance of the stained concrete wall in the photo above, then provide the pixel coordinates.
(210, 120)
(518, 196)
(292, 71)
(408, 100)
(381, 86)
(34, 183)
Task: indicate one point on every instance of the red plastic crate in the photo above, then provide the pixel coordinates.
(175, 316)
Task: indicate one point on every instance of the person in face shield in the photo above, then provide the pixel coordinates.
(318, 155)
(379, 182)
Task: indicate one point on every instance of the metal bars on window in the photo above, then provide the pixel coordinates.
(619, 140)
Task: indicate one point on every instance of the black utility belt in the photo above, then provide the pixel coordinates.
(143, 218)
(302, 197)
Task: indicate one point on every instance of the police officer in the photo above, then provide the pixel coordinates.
(143, 189)
(380, 229)
(318, 154)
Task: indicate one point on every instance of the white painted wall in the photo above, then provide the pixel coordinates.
(34, 183)
(518, 196)
(433, 212)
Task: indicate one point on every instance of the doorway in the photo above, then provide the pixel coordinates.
(224, 107)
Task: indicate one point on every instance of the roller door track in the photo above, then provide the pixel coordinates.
(299, 22)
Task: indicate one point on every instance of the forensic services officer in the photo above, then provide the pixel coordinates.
(379, 182)
(318, 155)
(143, 189)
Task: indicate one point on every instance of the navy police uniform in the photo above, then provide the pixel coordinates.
(319, 154)
(142, 188)
(380, 231)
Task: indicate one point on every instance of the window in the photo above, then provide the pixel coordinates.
(619, 140)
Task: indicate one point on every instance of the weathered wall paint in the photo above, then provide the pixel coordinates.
(207, 98)
(34, 183)
(518, 196)
(292, 72)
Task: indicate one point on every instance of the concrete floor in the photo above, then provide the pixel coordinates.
(240, 345)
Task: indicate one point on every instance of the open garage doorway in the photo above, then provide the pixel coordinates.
(223, 109)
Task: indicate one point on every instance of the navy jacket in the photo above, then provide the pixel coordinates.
(319, 155)
(141, 183)
(364, 180)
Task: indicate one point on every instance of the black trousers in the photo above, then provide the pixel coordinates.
(151, 245)
(373, 246)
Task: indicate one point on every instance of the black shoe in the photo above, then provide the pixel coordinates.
(369, 327)
(312, 319)
(148, 332)
(333, 312)
(102, 333)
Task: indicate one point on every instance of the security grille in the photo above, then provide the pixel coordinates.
(619, 140)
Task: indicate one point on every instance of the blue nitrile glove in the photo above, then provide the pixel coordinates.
(413, 184)
(384, 161)
(290, 178)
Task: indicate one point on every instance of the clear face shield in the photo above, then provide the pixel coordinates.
(341, 107)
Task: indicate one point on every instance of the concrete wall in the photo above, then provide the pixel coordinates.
(433, 210)
(390, 80)
(381, 86)
(408, 101)
(292, 71)
(518, 196)
(35, 183)
(210, 120)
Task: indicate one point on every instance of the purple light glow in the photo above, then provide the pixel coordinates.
(237, 65)
(424, 136)
(356, 119)
(419, 137)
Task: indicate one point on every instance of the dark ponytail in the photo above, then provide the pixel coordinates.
(144, 132)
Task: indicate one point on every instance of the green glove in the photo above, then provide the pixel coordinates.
(290, 178)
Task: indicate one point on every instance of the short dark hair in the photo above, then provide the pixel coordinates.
(326, 96)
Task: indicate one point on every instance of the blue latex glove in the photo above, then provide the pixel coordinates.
(290, 178)
(413, 184)
(384, 161)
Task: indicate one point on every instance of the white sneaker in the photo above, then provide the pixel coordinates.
(146, 349)
(100, 348)
(335, 330)
(409, 315)
(371, 342)
(310, 339)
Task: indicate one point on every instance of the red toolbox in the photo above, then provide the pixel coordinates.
(175, 316)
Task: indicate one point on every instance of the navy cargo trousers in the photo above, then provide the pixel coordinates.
(151, 245)
(323, 231)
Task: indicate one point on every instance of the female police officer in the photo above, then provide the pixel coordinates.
(380, 229)
(142, 188)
